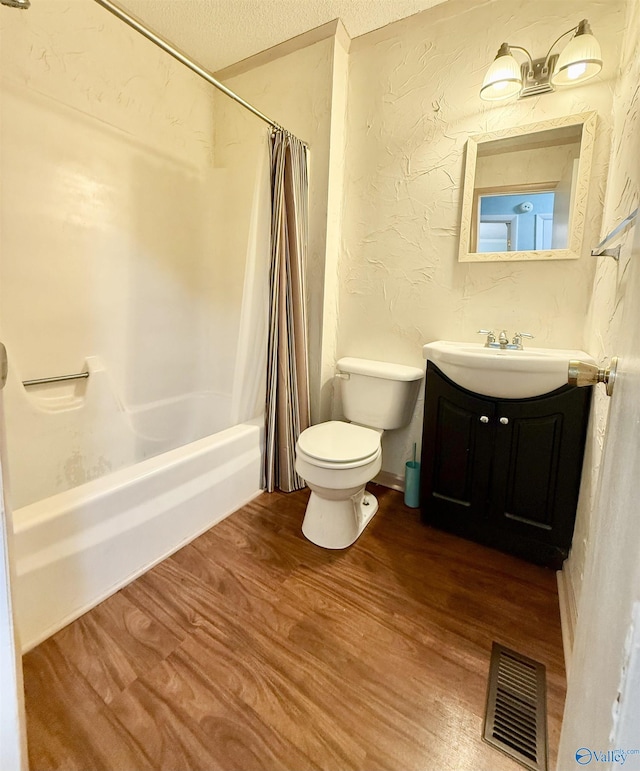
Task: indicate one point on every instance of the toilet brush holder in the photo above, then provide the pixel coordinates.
(412, 484)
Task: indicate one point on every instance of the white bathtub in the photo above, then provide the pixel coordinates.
(76, 548)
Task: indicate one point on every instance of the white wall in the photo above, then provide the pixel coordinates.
(604, 330)
(602, 705)
(413, 101)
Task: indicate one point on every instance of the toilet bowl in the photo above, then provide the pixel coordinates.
(337, 458)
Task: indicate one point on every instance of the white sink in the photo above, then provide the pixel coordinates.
(505, 374)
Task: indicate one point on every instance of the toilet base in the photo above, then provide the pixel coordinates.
(336, 524)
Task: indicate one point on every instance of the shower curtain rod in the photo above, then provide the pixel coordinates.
(161, 43)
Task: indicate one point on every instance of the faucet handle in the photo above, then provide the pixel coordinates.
(491, 338)
(517, 338)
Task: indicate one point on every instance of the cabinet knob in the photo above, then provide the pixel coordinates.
(504, 421)
(484, 419)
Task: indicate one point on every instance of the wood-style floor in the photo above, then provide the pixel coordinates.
(253, 649)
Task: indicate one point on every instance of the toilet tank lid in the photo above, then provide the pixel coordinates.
(381, 369)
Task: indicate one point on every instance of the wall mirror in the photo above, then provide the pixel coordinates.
(525, 191)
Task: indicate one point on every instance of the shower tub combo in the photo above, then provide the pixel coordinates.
(111, 473)
(76, 547)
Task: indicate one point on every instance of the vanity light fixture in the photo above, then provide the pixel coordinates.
(578, 61)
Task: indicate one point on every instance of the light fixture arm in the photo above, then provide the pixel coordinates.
(506, 48)
(578, 29)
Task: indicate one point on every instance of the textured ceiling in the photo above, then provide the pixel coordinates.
(218, 33)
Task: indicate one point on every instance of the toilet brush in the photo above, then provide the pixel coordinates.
(412, 482)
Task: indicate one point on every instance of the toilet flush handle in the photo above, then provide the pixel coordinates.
(343, 375)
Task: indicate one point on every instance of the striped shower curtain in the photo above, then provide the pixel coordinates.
(287, 408)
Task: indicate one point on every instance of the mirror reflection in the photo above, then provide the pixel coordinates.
(521, 197)
(518, 221)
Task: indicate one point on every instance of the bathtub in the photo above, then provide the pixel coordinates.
(77, 547)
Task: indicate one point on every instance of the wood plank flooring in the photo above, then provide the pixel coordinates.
(253, 649)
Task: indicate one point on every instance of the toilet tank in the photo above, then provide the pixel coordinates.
(378, 394)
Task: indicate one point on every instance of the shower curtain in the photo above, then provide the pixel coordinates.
(287, 407)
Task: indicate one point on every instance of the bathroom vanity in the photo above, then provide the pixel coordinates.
(504, 472)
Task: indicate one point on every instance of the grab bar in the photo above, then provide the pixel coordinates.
(614, 252)
(56, 379)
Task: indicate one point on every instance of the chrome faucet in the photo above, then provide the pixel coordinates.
(503, 340)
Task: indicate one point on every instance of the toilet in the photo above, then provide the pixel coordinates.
(337, 459)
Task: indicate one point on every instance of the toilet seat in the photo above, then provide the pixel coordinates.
(336, 444)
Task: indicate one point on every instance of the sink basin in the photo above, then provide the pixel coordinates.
(505, 374)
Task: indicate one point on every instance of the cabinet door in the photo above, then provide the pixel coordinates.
(456, 456)
(539, 445)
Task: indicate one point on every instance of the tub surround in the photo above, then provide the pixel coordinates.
(117, 255)
(113, 248)
(77, 431)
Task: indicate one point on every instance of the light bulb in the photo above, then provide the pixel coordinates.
(576, 70)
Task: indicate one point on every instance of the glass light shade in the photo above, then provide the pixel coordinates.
(503, 79)
(580, 60)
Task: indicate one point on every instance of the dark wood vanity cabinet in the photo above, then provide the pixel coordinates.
(504, 472)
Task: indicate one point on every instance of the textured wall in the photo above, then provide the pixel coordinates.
(604, 329)
(607, 536)
(413, 101)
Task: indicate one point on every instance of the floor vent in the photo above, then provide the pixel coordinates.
(516, 718)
